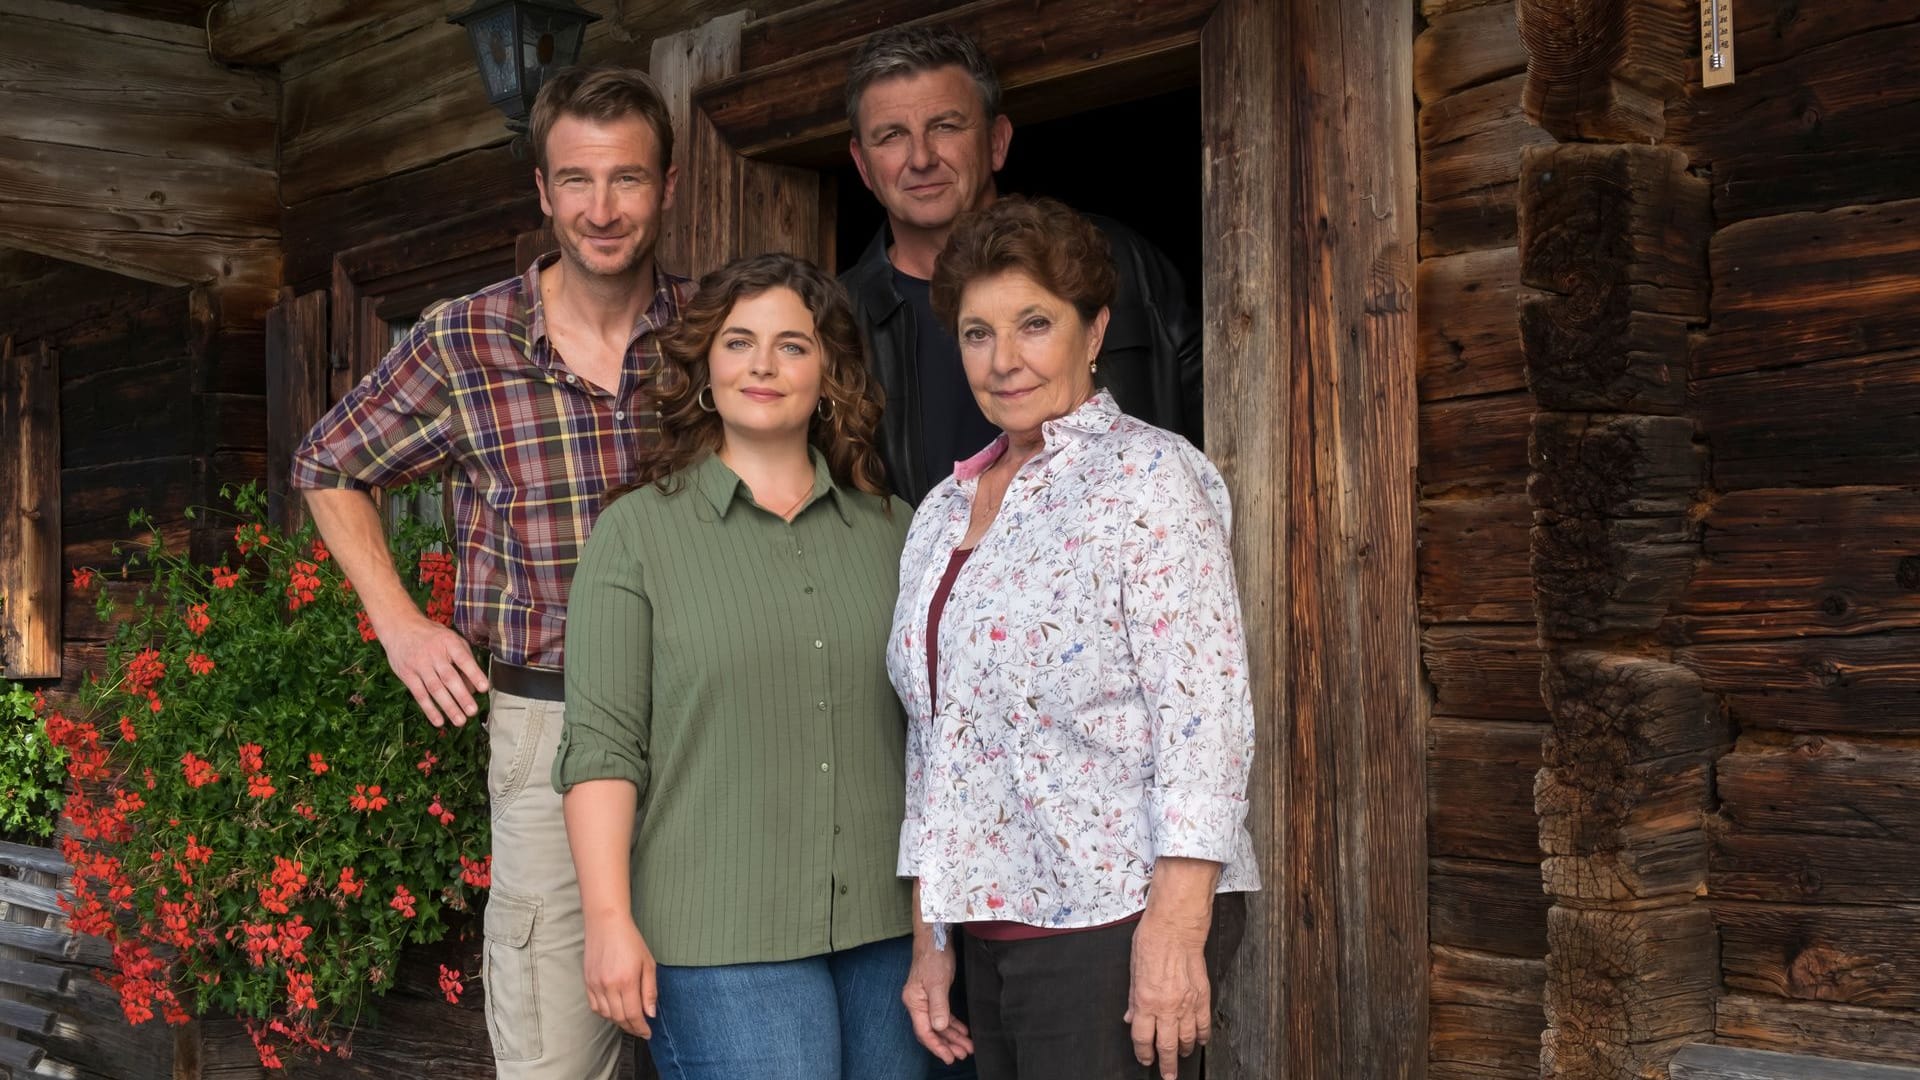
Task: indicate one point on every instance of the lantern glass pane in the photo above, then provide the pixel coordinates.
(492, 35)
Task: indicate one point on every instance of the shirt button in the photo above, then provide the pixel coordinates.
(818, 644)
(843, 890)
(824, 767)
(808, 590)
(571, 379)
(619, 414)
(836, 830)
(821, 705)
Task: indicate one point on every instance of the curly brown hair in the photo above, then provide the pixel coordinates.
(845, 436)
(1045, 239)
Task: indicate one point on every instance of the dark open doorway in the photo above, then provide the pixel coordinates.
(1137, 162)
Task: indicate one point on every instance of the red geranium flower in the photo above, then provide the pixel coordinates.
(82, 578)
(224, 578)
(402, 901)
(317, 763)
(198, 620)
(199, 663)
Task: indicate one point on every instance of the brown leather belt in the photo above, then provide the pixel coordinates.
(538, 683)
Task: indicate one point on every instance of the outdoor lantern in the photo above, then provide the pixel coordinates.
(518, 43)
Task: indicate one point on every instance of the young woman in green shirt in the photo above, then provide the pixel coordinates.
(733, 753)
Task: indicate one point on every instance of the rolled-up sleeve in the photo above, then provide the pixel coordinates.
(609, 670)
(392, 427)
(1187, 639)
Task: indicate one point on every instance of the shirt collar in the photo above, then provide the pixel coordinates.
(722, 487)
(1097, 415)
(663, 311)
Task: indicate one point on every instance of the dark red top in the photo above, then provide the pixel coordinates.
(989, 929)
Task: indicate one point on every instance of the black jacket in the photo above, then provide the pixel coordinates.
(1150, 359)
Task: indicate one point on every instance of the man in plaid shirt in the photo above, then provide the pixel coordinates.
(528, 393)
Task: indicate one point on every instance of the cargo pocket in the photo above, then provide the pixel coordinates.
(513, 1003)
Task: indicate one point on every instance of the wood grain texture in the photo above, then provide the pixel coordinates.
(1788, 562)
(1850, 423)
(1863, 685)
(1708, 1062)
(1469, 308)
(144, 159)
(297, 370)
(1488, 1012)
(1605, 69)
(1474, 560)
(1844, 1031)
(825, 24)
(1485, 906)
(1626, 988)
(1616, 236)
(30, 517)
(1852, 130)
(1484, 670)
(265, 32)
(1480, 789)
(1463, 49)
(1816, 286)
(1476, 445)
(1470, 145)
(1339, 987)
(1859, 955)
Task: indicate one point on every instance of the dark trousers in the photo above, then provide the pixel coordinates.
(1050, 1008)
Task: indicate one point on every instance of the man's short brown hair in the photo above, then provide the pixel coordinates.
(1044, 239)
(909, 50)
(602, 93)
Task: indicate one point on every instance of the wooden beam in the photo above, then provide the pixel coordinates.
(826, 24)
(1862, 684)
(1605, 69)
(265, 32)
(30, 523)
(1487, 1016)
(297, 371)
(1470, 145)
(1708, 1062)
(1465, 49)
(797, 108)
(1311, 357)
(1806, 1027)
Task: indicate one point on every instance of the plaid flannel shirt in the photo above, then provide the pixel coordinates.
(477, 385)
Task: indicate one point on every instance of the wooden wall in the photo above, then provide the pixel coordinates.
(1726, 360)
(150, 417)
(1487, 913)
(123, 146)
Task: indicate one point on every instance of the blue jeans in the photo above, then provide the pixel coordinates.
(818, 1018)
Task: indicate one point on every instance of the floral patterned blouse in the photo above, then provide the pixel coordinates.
(1093, 711)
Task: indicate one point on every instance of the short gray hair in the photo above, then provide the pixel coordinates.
(910, 50)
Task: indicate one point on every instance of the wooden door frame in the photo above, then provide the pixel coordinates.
(1308, 268)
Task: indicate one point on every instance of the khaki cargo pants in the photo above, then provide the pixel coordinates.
(537, 1012)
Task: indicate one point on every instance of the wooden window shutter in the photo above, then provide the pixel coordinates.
(30, 554)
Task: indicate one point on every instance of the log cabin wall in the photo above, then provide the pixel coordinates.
(1487, 913)
(1724, 355)
(146, 423)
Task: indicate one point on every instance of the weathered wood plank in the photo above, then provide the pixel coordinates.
(1464, 49)
(297, 370)
(1867, 685)
(823, 25)
(1488, 907)
(1470, 324)
(133, 18)
(1470, 147)
(1653, 869)
(1597, 577)
(1616, 236)
(1490, 671)
(799, 105)
(1851, 130)
(1858, 955)
(1480, 789)
(1789, 562)
(1850, 422)
(1802, 287)
(265, 32)
(1605, 69)
(30, 518)
(1611, 466)
(1475, 445)
(1807, 1028)
(1625, 988)
(1488, 1012)
(1708, 1062)
(1611, 709)
(1818, 786)
(1474, 560)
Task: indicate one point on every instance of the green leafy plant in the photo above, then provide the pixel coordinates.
(32, 770)
(263, 816)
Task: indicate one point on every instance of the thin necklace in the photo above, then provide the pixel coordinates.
(787, 514)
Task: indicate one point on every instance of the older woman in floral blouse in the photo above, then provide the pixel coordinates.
(1068, 644)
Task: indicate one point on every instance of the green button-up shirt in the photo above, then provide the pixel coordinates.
(732, 665)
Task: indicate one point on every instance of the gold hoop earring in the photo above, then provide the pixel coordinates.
(823, 407)
(706, 404)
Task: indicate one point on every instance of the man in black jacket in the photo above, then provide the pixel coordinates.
(928, 135)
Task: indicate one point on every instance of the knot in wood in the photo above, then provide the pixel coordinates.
(1906, 573)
